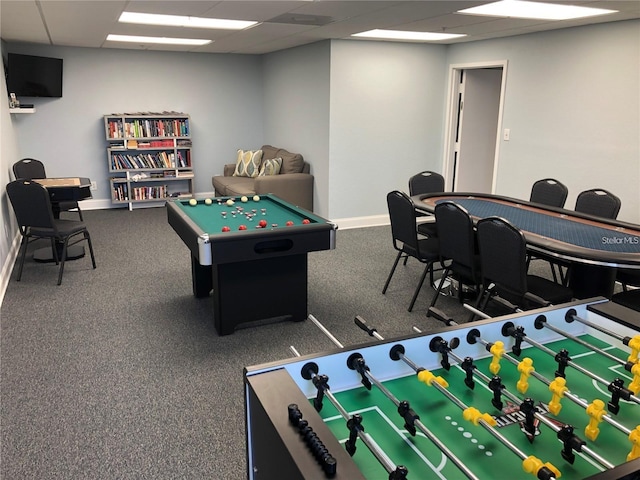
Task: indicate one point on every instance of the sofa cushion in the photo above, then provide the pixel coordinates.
(291, 162)
(233, 186)
(248, 163)
(270, 166)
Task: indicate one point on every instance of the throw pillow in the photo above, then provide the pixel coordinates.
(248, 163)
(270, 167)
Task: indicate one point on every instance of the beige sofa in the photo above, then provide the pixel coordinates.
(294, 183)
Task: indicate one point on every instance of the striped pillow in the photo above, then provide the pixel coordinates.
(248, 163)
(270, 167)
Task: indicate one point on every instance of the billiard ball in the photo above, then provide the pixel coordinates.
(289, 223)
(256, 198)
(244, 199)
(242, 227)
(207, 201)
(226, 229)
(262, 223)
(193, 202)
(230, 202)
(306, 221)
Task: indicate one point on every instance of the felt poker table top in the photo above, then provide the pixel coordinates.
(564, 233)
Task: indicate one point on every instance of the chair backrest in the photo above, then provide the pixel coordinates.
(503, 252)
(426, 182)
(403, 220)
(28, 169)
(550, 192)
(31, 204)
(598, 202)
(456, 234)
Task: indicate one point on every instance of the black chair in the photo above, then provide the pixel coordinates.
(503, 263)
(552, 193)
(549, 192)
(426, 182)
(32, 207)
(458, 248)
(30, 168)
(628, 277)
(598, 202)
(405, 239)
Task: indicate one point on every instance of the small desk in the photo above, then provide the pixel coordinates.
(592, 244)
(63, 190)
(257, 273)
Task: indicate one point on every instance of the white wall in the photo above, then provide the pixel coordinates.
(573, 107)
(296, 109)
(387, 102)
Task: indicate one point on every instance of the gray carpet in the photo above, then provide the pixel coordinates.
(119, 372)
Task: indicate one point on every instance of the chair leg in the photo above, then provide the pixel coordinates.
(393, 269)
(23, 249)
(439, 289)
(80, 214)
(428, 268)
(88, 238)
(62, 260)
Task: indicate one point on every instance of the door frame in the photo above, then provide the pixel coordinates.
(452, 117)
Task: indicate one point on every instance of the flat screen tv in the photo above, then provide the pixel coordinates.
(31, 76)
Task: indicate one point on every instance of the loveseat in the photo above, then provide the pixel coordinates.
(258, 173)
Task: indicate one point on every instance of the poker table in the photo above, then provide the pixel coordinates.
(593, 245)
(257, 266)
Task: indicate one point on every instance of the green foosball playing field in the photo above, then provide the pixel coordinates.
(482, 452)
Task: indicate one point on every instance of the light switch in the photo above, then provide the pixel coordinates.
(507, 133)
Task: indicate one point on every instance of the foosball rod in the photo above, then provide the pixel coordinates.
(632, 342)
(538, 415)
(369, 442)
(571, 363)
(567, 393)
(423, 428)
(479, 420)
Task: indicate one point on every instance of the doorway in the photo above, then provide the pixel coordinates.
(474, 123)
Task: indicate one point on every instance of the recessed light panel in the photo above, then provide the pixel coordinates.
(162, 40)
(534, 10)
(184, 21)
(406, 35)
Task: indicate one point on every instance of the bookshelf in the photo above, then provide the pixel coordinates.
(149, 157)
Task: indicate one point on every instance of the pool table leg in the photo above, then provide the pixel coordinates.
(201, 278)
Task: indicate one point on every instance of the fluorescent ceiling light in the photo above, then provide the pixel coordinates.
(164, 40)
(184, 21)
(406, 35)
(536, 10)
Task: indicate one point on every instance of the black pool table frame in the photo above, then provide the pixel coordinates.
(254, 274)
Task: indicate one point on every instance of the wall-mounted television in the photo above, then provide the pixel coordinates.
(31, 76)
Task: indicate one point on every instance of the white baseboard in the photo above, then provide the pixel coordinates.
(360, 222)
(5, 273)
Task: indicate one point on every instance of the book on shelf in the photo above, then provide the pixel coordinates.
(132, 144)
(185, 174)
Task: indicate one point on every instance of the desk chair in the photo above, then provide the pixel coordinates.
(404, 233)
(458, 247)
(549, 192)
(426, 182)
(552, 193)
(598, 202)
(503, 263)
(32, 207)
(28, 169)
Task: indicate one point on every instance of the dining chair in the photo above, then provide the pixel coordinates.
(459, 255)
(598, 202)
(32, 207)
(549, 192)
(503, 263)
(426, 182)
(406, 242)
(29, 169)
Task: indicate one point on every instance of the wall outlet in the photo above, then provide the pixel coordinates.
(94, 186)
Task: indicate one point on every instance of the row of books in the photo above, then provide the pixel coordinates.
(145, 128)
(120, 161)
(120, 193)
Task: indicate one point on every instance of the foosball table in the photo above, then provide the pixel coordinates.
(544, 394)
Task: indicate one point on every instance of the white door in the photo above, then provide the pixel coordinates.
(476, 135)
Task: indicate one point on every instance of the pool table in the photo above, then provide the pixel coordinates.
(255, 273)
